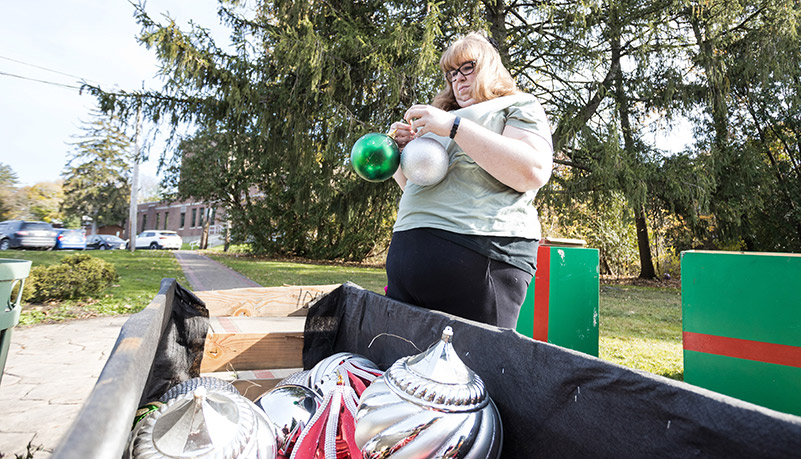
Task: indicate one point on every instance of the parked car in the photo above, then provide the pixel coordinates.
(159, 240)
(70, 239)
(21, 234)
(105, 242)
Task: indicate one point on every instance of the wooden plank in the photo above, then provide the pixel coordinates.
(248, 343)
(563, 242)
(264, 301)
(245, 351)
(243, 324)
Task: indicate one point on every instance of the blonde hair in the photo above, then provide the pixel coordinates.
(492, 79)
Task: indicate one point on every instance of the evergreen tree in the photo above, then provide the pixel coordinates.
(303, 82)
(277, 113)
(96, 174)
(765, 81)
(747, 56)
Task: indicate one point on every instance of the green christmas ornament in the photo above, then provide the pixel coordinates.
(375, 157)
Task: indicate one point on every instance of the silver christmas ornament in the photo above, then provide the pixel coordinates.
(210, 383)
(300, 378)
(429, 405)
(424, 161)
(323, 377)
(329, 433)
(206, 424)
(289, 407)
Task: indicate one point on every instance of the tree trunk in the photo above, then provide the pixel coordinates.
(630, 151)
(496, 16)
(204, 236)
(605, 267)
(646, 261)
(227, 236)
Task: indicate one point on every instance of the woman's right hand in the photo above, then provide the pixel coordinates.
(403, 133)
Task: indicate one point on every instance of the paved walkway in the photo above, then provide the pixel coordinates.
(51, 369)
(203, 273)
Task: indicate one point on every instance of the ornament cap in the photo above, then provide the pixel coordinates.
(438, 379)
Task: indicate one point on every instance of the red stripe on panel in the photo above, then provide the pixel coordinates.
(542, 294)
(779, 354)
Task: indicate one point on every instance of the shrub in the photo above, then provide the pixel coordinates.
(77, 276)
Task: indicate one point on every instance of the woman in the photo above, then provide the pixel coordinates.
(468, 245)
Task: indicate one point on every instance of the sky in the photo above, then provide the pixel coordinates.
(59, 43)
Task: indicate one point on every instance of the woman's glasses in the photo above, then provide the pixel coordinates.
(465, 69)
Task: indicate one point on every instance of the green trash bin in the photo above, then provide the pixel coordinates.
(12, 274)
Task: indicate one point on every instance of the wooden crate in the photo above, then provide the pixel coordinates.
(255, 335)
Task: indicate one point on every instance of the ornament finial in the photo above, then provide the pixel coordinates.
(447, 334)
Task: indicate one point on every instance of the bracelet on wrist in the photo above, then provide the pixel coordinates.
(455, 126)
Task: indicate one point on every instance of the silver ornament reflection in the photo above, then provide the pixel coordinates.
(424, 161)
(429, 405)
(289, 407)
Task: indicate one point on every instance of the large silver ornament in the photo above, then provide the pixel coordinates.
(429, 405)
(206, 424)
(424, 161)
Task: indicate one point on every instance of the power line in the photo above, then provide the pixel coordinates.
(48, 70)
(40, 81)
(41, 68)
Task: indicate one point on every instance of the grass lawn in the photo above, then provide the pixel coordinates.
(271, 273)
(140, 276)
(640, 328)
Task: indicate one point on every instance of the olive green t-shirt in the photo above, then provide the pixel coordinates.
(469, 200)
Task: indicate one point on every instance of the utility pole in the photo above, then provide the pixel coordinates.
(135, 179)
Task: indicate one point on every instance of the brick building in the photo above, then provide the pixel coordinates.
(114, 230)
(185, 218)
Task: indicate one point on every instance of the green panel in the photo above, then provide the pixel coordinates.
(742, 295)
(773, 386)
(525, 322)
(573, 306)
(749, 296)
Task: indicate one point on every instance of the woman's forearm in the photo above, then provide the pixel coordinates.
(517, 158)
(520, 159)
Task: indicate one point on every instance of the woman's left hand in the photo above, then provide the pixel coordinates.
(426, 118)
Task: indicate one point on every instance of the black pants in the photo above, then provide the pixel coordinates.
(434, 273)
